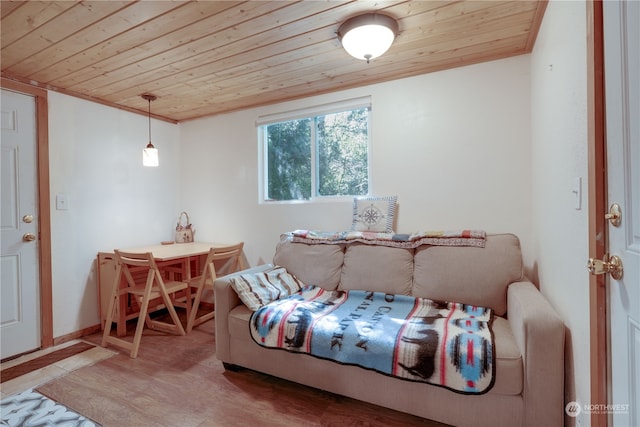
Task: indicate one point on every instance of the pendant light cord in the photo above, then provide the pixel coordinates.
(149, 97)
(149, 100)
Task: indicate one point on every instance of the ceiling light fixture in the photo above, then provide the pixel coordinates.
(368, 36)
(150, 153)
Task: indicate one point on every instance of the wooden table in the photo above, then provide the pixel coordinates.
(176, 260)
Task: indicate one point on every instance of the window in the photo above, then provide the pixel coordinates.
(325, 154)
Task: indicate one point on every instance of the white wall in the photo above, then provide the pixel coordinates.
(453, 145)
(114, 202)
(559, 155)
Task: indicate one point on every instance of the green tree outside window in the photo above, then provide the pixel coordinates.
(340, 143)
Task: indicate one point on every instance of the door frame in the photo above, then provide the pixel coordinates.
(597, 170)
(44, 205)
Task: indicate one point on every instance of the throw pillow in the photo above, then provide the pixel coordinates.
(374, 214)
(258, 289)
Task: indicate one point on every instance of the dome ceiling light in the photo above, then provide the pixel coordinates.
(368, 36)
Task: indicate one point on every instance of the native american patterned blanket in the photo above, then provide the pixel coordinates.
(475, 238)
(417, 339)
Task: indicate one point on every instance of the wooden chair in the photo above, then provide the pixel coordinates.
(231, 257)
(154, 287)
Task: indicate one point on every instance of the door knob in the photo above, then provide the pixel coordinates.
(27, 218)
(615, 215)
(609, 264)
(29, 237)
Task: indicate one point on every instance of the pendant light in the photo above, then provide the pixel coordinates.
(368, 36)
(150, 153)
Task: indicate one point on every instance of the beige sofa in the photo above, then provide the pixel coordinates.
(529, 335)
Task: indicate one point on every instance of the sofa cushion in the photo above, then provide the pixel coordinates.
(317, 265)
(239, 318)
(509, 367)
(377, 268)
(478, 276)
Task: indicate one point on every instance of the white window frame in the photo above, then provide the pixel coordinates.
(309, 112)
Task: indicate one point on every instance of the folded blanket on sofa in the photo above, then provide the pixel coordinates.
(474, 238)
(441, 343)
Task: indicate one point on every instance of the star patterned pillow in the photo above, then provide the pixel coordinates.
(374, 214)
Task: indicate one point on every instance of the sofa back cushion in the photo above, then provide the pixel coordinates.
(477, 276)
(377, 268)
(317, 265)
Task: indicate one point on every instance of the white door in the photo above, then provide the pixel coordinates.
(622, 76)
(20, 303)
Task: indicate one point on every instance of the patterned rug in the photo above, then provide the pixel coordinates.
(30, 408)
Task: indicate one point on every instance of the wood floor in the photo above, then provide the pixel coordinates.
(177, 381)
(22, 369)
(31, 378)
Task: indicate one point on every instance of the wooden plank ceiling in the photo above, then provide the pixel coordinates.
(210, 57)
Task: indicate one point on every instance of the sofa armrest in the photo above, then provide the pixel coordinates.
(539, 332)
(225, 300)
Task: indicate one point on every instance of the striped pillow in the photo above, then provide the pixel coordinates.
(258, 289)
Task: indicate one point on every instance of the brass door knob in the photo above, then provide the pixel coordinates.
(29, 237)
(614, 215)
(609, 264)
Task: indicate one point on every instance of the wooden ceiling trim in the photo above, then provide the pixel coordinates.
(43, 86)
(536, 22)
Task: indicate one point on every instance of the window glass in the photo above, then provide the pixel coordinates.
(342, 153)
(321, 156)
(289, 160)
